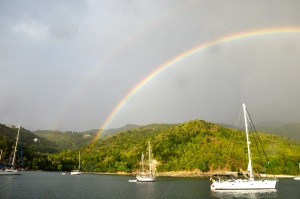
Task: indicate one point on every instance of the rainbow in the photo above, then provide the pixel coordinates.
(185, 55)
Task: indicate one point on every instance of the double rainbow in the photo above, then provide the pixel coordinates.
(185, 55)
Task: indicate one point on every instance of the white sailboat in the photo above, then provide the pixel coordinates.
(229, 182)
(11, 169)
(77, 172)
(143, 175)
(297, 177)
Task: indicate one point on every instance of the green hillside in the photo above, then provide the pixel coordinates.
(108, 132)
(188, 146)
(66, 140)
(289, 130)
(196, 144)
(29, 148)
(70, 140)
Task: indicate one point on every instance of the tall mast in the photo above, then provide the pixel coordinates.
(248, 142)
(15, 150)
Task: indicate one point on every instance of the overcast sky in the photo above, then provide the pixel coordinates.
(67, 64)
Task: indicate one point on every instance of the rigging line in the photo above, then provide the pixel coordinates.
(259, 150)
(260, 143)
(235, 129)
(252, 129)
(238, 119)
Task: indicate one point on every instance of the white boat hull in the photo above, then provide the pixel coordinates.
(244, 185)
(76, 172)
(297, 178)
(145, 178)
(10, 172)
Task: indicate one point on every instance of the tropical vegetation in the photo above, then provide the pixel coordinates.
(193, 145)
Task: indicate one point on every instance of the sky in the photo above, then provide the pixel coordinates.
(67, 65)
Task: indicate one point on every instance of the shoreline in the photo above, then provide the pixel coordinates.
(188, 174)
(181, 174)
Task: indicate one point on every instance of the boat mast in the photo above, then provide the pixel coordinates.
(248, 142)
(15, 150)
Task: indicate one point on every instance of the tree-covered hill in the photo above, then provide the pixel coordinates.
(66, 140)
(289, 130)
(188, 146)
(197, 144)
(38, 147)
(27, 144)
(71, 140)
(111, 131)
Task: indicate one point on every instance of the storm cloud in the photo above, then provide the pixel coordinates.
(67, 64)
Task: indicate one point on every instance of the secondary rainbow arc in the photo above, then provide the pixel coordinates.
(185, 55)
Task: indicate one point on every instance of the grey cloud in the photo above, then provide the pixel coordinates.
(67, 64)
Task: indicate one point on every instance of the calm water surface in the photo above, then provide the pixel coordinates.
(54, 185)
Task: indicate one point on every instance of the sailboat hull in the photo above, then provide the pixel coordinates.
(145, 178)
(76, 172)
(10, 172)
(244, 185)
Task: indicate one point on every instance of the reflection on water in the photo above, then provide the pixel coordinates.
(146, 189)
(251, 194)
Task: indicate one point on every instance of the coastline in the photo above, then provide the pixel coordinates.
(182, 174)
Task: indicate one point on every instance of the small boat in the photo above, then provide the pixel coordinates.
(230, 182)
(10, 169)
(132, 180)
(77, 172)
(143, 175)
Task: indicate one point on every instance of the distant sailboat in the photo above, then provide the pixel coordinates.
(229, 182)
(77, 172)
(10, 169)
(143, 175)
(297, 177)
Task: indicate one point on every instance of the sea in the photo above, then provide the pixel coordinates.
(54, 185)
